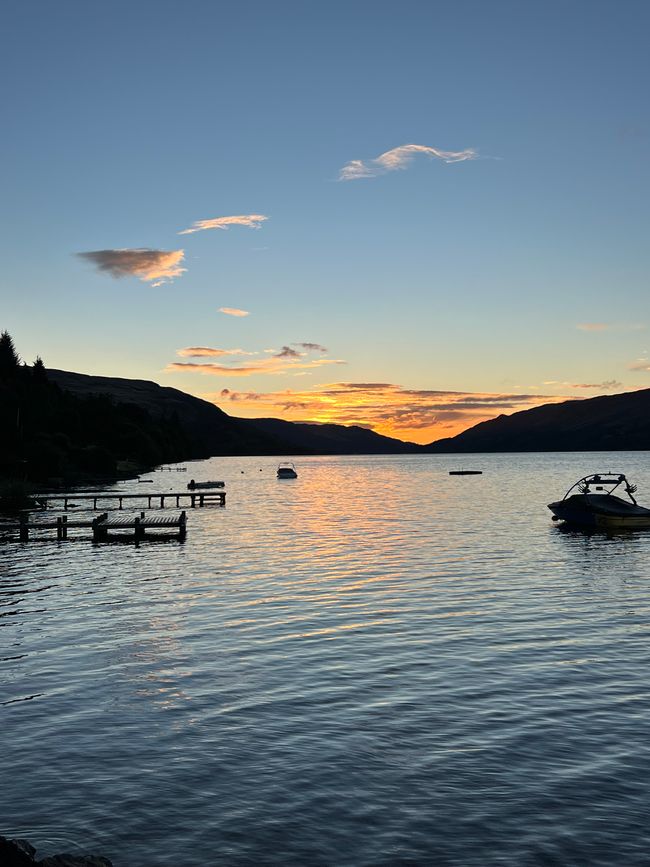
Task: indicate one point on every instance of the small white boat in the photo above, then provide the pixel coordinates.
(287, 470)
(198, 485)
(594, 504)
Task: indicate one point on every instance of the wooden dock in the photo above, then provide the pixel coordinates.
(103, 527)
(190, 498)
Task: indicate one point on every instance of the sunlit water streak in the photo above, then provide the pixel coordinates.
(375, 663)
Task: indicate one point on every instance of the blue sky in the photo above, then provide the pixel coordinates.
(126, 123)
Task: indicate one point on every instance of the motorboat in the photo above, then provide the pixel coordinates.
(287, 470)
(195, 486)
(591, 502)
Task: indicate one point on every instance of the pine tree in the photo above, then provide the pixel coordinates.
(9, 358)
(39, 373)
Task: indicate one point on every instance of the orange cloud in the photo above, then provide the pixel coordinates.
(418, 415)
(233, 311)
(148, 265)
(399, 158)
(252, 221)
(208, 352)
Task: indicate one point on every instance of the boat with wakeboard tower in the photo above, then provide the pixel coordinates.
(591, 502)
(287, 470)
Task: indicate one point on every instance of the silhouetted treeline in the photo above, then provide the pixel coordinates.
(48, 433)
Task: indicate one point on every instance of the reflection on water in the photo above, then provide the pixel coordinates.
(374, 664)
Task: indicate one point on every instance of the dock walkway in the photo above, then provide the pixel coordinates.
(191, 498)
(103, 527)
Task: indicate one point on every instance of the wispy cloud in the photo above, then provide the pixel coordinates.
(151, 266)
(233, 311)
(607, 385)
(593, 326)
(399, 158)
(209, 352)
(421, 415)
(642, 365)
(611, 326)
(287, 352)
(265, 366)
(311, 347)
(252, 221)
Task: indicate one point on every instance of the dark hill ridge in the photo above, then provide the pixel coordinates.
(619, 422)
(213, 432)
(610, 423)
(210, 431)
(330, 439)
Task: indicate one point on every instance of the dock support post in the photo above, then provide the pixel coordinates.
(64, 527)
(193, 499)
(120, 502)
(162, 502)
(201, 500)
(59, 529)
(100, 534)
(182, 527)
(24, 528)
(139, 530)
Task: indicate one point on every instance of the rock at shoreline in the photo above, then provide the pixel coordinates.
(19, 853)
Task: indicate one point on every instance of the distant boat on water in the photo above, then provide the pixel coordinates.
(287, 470)
(465, 472)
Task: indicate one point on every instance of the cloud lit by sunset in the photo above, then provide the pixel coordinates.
(151, 266)
(234, 311)
(417, 415)
(251, 221)
(399, 158)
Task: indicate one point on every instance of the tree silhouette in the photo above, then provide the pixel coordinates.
(39, 373)
(9, 359)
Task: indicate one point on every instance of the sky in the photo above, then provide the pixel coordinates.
(410, 216)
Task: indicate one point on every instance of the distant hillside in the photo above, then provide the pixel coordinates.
(212, 432)
(208, 429)
(330, 439)
(619, 422)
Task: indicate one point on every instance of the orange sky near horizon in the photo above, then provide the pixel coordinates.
(414, 415)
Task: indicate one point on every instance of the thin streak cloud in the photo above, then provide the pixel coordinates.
(233, 311)
(399, 158)
(150, 266)
(311, 347)
(266, 366)
(209, 352)
(251, 221)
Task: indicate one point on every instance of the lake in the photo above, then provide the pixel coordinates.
(373, 664)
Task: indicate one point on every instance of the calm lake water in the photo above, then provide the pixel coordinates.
(372, 664)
